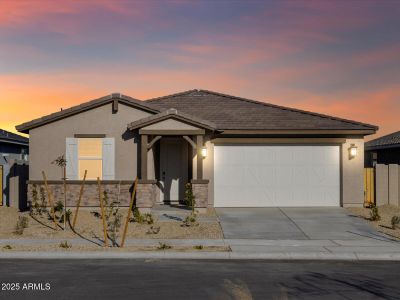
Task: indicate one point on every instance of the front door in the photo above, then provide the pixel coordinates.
(173, 169)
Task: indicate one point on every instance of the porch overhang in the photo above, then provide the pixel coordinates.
(172, 122)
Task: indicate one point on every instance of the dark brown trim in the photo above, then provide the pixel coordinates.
(282, 141)
(171, 132)
(89, 135)
(115, 105)
(302, 132)
(143, 156)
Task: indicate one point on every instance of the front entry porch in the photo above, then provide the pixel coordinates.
(166, 169)
(171, 156)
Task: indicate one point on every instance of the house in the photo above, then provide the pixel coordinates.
(235, 152)
(383, 150)
(14, 150)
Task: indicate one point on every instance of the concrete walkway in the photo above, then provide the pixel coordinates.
(305, 223)
(360, 249)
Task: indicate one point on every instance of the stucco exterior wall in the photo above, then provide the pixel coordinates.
(48, 141)
(208, 170)
(353, 174)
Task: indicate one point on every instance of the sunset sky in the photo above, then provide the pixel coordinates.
(335, 57)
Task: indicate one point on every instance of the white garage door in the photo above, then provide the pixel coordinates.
(262, 176)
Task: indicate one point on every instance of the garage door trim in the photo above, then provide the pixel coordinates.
(284, 142)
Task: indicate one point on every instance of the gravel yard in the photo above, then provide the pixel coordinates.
(384, 225)
(89, 226)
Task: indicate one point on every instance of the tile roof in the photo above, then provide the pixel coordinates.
(390, 140)
(10, 137)
(235, 113)
(225, 112)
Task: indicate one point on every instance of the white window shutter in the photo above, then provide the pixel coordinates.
(71, 155)
(108, 159)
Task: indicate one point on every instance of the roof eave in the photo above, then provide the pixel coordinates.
(381, 147)
(25, 127)
(171, 114)
(300, 131)
(14, 142)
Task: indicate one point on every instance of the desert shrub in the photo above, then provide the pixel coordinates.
(59, 207)
(59, 212)
(113, 218)
(190, 220)
(146, 218)
(35, 200)
(375, 216)
(198, 247)
(43, 201)
(68, 214)
(38, 206)
(395, 222)
(189, 197)
(163, 246)
(22, 223)
(153, 230)
(65, 245)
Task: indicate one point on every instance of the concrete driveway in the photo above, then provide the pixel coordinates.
(306, 223)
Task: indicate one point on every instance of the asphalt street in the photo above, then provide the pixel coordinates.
(188, 279)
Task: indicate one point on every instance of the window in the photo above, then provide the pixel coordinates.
(90, 158)
(96, 155)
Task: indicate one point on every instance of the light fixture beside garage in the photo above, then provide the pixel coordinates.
(204, 152)
(353, 151)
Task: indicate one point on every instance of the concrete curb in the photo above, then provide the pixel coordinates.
(312, 256)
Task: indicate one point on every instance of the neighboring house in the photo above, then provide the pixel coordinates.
(236, 152)
(383, 150)
(14, 151)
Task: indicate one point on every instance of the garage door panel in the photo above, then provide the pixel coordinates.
(300, 175)
(257, 176)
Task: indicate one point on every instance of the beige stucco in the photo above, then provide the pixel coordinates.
(353, 174)
(170, 124)
(48, 141)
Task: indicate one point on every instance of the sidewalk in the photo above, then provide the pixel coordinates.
(361, 249)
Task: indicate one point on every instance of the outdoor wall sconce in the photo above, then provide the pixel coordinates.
(204, 152)
(352, 151)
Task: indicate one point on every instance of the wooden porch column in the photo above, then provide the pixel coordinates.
(143, 155)
(199, 141)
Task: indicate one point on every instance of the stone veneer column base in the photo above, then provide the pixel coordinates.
(200, 192)
(145, 195)
(90, 197)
